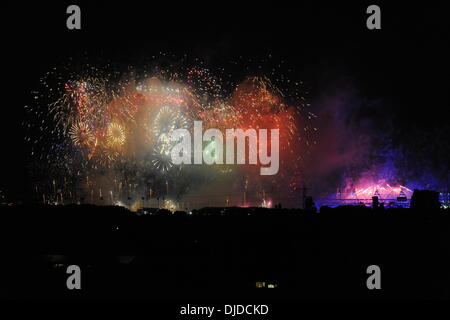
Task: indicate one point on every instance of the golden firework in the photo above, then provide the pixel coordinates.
(81, 134)
(115, 135)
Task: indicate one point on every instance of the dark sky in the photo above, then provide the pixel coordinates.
(405, 63)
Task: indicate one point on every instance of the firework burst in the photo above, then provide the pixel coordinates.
(115, 135)
(81, 134)
(161, 161)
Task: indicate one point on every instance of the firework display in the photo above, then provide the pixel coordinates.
(204, 153)
(111, 131)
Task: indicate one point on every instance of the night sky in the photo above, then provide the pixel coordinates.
(400, 71)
